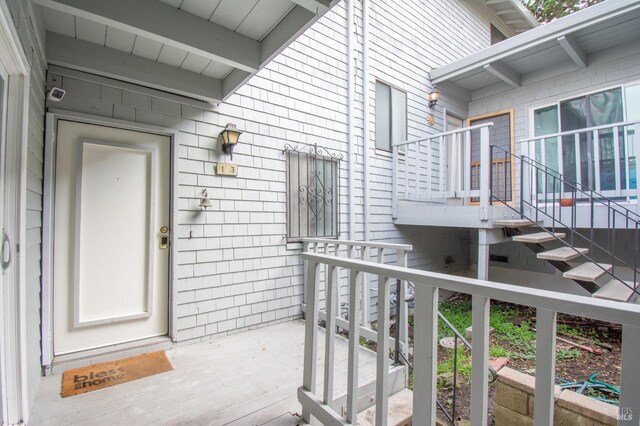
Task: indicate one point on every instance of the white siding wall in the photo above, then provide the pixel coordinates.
(30, 29)
(236, 271)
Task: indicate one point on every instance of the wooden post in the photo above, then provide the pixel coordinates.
(545, 366)
(485, 173)
(402, 321)
(382, 355)
(354, 347)
(310, 335)
(425, 354)
(480, 351)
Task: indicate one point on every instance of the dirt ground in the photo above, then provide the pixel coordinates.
(578, 368)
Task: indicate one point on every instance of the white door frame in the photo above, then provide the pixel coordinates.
(48, 214)
(14, 401)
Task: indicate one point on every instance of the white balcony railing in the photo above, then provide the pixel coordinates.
(428, 285)
(602, 159)
(439, 167)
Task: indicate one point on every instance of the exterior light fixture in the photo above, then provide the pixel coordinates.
(433, 99)
(205, 201)
(230, 136)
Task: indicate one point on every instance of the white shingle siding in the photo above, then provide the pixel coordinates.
(236, 271)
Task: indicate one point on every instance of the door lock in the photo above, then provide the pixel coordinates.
(164, 238)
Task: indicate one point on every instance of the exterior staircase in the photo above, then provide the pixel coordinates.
(574, 262)
(543, 199)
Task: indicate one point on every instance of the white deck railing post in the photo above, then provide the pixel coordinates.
(425, 354)
(479, 360)
(545, 367)
(330, 329)
(310, 334)
(629, 408)
(354, 347)
(402, 321)
(365, 318)
(394, 182)
(485, 173)
(467, 163)
(382, 352)
(305, 248)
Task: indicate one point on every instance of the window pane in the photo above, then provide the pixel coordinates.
(632, 97)
(546, 121)
(399, 116)
(605, 108)
(383, 116)
(573, 114)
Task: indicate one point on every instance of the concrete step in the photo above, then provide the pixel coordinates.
(562, 254)
(513, 223)
(587, 272)
(615, 290)
(400, 410)
(538, 237)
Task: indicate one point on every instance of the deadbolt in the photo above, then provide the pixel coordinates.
(164, 230)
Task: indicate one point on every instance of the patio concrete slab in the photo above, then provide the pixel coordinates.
(249, 378)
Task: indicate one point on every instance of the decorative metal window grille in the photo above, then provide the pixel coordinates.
(313, 176)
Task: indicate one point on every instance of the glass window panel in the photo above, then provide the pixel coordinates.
(398, 116)
(546, 121)
(632, 99)
(573, 114)
(383, 116)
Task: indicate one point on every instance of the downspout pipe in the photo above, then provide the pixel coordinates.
(366, 111)
(350, 125)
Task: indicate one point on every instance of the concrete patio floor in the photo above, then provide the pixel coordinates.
(249, 378)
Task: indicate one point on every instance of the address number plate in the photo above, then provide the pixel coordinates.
(227, 169)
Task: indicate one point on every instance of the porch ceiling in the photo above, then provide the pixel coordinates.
(567, 41)
(203, 49)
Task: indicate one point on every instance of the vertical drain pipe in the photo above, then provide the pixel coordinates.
(366, 112)
(350, 96)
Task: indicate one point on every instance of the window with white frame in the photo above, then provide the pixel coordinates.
(312, 192)
(590, 157)
(391, 116)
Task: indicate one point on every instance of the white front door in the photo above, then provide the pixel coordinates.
(111, 237)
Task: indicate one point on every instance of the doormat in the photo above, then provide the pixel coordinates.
(94, 377)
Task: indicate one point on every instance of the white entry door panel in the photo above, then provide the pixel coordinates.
(111, 255)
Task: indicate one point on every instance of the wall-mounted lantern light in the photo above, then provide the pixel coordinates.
(230, 136)
(205, 201)
(433, 98)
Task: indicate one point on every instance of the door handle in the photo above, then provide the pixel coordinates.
(6, 251)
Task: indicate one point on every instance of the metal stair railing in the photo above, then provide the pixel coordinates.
(551, 207)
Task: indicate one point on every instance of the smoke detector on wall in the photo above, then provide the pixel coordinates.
(55, 94)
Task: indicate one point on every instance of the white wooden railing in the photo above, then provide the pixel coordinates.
(428, 285)
(438, 167)
(363, 250)
(359, 302)
(610, 177)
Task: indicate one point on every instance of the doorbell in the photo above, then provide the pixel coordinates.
(55, 94)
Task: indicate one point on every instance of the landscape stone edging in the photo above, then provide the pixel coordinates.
(515, 397)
